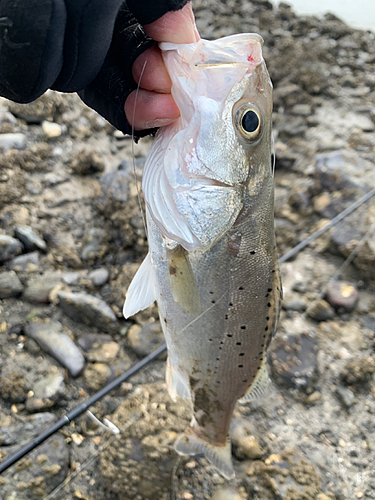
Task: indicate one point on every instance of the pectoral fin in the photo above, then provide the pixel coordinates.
(182, 281)
(141, 292)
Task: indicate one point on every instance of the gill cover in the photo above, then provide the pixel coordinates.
(194, 173)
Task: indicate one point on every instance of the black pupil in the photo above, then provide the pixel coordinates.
(250, 121)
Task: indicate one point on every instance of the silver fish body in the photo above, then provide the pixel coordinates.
(218, 288)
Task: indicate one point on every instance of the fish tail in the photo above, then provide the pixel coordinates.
(220, 456)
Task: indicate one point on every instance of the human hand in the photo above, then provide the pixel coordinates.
(153, 105)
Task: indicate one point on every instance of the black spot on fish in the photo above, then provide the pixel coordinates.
(269, 304)
(210, 340)
(212, 302)
(221, 342)
(252, 252)
(241, 288)
(172, 270)
(238, 343)
(229, 335)
(267, 295)
(243, 327)
(217, 359)
(240, 366)
(211, 293)
(269, 290)
(226, 316)
(266, 329)
(242, 354)
(230, 304)
(267, 318)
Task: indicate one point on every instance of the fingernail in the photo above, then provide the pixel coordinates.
(160, 122)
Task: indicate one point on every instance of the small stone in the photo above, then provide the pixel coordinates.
(9, 247)
(144, 340)
(70, 278)
(51, 129)
(30, 239)
(59, 345)
(12, 141)
(96, 375)
(321, 311)
(39, 291)
(46, 393)
(13, 387)
(29, 262)
(87, 309)
(345, 395)
(301, 110)
(294, 302)
(249, 447)
(358, 371)
(342, 295)
(99, 276)
(226, 493)
(103, 353)
(10, 285)
(294, 361)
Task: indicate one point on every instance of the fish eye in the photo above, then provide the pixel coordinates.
(247, 120)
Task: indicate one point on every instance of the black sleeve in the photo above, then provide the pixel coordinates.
(75, 45)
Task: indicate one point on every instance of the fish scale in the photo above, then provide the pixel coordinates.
(212, 264)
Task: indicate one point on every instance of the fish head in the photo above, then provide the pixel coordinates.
(198, 168)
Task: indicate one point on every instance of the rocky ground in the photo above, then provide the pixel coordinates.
(72, 237)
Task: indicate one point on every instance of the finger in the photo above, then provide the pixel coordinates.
(150, 72)
(150, 109)
(175, 27)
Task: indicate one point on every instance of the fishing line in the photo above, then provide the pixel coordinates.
(133, 153)
(82, 408)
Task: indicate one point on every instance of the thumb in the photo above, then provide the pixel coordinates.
(175, 27)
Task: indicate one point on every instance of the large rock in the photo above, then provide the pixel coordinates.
(10, 285)
(9, 248)
(57, 344)
(87, 309)
(30, 239)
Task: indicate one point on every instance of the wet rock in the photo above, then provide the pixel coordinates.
(226, 493)
(30, 239)
(99, 348)
(87, 309)
(70, 278)
(99, 276)
(144, 340)
(46, 393)
(51, 130)
(28, 262)
(9, 247)
(342, 296)
(358, 371)
(345, 395)
(39, 290)
(344, 171)
(38, 476)
(96, 375)
(293, 302)
(12, 141)
(294, 361)
(10, 285)
(25, 428)
(94, 248)
(320, 311)
(87, 162)
(57, 344)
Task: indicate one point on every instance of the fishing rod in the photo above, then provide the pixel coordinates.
(82, 408)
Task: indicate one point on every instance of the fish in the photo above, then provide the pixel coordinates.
(212, 263)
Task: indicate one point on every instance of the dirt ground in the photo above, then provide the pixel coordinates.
(72, 237)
